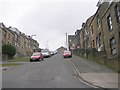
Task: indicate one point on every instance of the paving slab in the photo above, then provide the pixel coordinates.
(95, 73)
(105, 80)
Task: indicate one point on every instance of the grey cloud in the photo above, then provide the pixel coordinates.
(50, 21)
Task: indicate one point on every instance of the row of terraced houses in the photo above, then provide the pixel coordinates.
(100, 32)
(24, 44)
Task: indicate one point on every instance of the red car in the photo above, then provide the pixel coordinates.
(36, 56)
(67, 54)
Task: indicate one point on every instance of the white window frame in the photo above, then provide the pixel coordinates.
(117, 12)
(113, 46)
(109, 21)
(98, 21)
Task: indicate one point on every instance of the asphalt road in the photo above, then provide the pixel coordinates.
(53, 72)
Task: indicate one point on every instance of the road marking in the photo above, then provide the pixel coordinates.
(82, 80)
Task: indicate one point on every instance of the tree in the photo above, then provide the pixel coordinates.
(8, 50)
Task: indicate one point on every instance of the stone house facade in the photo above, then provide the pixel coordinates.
(24, 44)
(111, 29)
(102, 30)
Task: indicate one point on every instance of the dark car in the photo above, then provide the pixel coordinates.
(67, 54)
(36, 56)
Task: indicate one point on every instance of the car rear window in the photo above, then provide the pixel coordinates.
(36, 54)
(67, 52)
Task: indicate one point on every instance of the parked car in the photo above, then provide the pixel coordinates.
(52, 53)
(46, 53)
(36, 56)
(55, 52)
(67, 54)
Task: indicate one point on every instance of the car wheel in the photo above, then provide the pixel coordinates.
(30, 60)
(39, 59)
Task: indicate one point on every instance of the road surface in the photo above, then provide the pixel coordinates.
(53, 72)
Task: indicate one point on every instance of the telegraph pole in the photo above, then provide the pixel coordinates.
(47, 45)
(66, 41)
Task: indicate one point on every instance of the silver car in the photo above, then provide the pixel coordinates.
(46, 53)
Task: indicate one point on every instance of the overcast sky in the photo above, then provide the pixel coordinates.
(48, 19)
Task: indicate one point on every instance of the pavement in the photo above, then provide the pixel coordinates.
(9, 62)
(95, 74)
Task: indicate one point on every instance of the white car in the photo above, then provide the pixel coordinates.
(46, 53)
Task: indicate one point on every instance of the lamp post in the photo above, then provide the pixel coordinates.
(47, 44)
(66, 41)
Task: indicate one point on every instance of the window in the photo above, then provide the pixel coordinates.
(91, 29)
(113, 46)
(9, 36)
(15, 44)
(15, 37)
(93, 46)
(4, 36)
(99, 41)
(86, 33)
(117, 13)
(98, 21)
(109, 21)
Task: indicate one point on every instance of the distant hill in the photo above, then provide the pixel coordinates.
(61, 49)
